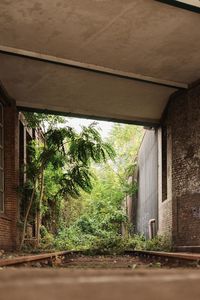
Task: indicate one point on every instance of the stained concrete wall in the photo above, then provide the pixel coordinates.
(147, 200)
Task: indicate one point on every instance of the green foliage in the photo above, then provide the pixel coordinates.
(82, 199)
(158, 243)
(47, 238)
(94, 229)
(126, 140)
(90, 145)
(59, 165)
(99, 224)
(43, 121)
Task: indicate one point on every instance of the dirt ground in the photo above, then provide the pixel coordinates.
(102, 262)
(106, 262)
(121, 262)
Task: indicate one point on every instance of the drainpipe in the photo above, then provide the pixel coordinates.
(152, 228)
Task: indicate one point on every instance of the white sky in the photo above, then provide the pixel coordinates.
(105, 127)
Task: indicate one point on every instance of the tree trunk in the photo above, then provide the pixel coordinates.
(39, 216)
(26, 217)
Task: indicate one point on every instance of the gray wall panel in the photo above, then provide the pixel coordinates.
(147, 202)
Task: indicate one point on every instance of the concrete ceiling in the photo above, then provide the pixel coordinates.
(113, 42)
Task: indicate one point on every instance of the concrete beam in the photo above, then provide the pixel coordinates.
(192, 5)
(90, 67)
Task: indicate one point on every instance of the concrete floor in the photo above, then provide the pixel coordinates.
(76, 284)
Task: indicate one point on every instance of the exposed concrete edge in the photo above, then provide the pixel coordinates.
(62, 112)
(182, 5)
(90, 67)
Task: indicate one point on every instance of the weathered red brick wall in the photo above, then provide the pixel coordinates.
(8, 219)
(183, 117)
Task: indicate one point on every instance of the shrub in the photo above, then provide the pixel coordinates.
(159, 243)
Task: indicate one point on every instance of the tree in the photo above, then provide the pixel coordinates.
(99, 223)
(68, 154)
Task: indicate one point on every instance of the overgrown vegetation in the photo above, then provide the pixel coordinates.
(59, 166)
(99, 225)
(76, 185)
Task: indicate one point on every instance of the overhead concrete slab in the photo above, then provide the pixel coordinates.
(144, 38)
(69, 90)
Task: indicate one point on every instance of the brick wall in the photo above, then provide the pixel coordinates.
(183, 118)
(8, 219)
